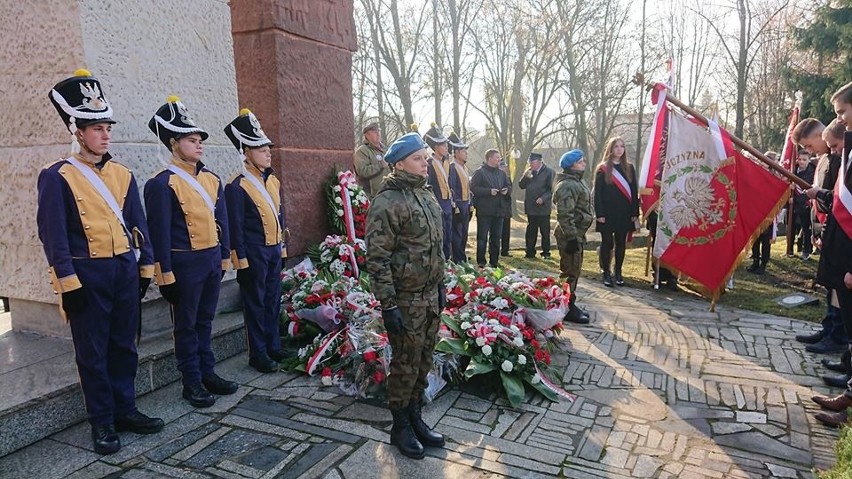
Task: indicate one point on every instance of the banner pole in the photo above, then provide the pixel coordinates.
(639, 79)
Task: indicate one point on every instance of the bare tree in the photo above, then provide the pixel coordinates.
(464, 58)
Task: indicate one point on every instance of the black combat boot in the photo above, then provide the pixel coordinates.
(426, 436)
(402, 435)
(576, 315)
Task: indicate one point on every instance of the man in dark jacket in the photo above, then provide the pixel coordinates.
(537, 183)
(490, 188)
(802, 206)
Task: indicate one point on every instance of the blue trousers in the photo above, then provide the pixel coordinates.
(447, 224)
(461, 224)
(198, 275)
(104, 336)
(262, 300)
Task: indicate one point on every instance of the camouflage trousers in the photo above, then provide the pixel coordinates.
(570, 265)
(412, 350)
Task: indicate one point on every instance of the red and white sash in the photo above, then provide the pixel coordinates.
(841, 206)
(622, 184)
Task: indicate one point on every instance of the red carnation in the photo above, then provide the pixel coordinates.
(370, 356)
(326, 371)
(378, 377)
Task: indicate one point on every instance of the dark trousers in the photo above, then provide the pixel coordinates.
(461, 224)
(844, 298)
(104, 336)
(760, 247)
(505, 234)
(832, 322)
(538, 224)
(802, 224)
(261, 299)
(447, 224)
(198, 275)
(489, 230)
(608, 240)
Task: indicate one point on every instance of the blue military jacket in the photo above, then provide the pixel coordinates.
(253, 222)
(180, 220)
(75, 221)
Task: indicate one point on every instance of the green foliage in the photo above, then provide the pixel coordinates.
(843, 468)
(829, 38)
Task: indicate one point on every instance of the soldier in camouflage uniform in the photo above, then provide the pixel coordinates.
(406, 266)
(574, 217)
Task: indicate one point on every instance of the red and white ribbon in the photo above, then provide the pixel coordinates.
(554, 387)
(316, 359)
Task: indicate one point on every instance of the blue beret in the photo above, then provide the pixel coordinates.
(404, 146)
(569, 158)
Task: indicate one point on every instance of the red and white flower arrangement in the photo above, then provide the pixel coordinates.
(344, 196)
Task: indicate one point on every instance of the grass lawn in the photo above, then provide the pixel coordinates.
(751, 292)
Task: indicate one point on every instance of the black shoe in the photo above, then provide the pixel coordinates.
(827, 345)
(278, 356)
(753, 268)
(760, 270)
(619, 281)
(576, 315)
(545, 255)
(481, 265)
(507, 254)
(835, 366)
(494, 265)
(139, 423)
(402, 435)
(529, 256)
(426, 436)
(836, 381)
(607, 279)
(263, 364)
(811, 338)
(105, 439)
(672, 285)
(198, 396)
(217, 385)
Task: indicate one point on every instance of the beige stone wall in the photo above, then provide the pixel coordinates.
(142, 51)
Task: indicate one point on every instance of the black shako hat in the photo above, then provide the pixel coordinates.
(456, 143)
(435, 136)
(245, 131)
(80, 101)
(173, 120)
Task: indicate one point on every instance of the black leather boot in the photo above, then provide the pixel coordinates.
(576, 315)
(607, 279)
(842, 366)
(755, 264)
(105, 439)
(811, 338)
(139, 423)
(402, 435)
(426, 436)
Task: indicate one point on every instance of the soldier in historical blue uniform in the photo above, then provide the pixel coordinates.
(92, 226)
(188, 220)
(460, 186)
(258, 231)
(439, 180)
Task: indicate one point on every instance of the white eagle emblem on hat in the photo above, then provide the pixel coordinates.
(92, 97)
(185, 117)
(258, 131)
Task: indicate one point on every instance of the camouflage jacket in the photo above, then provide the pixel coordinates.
(404, 238)
(370, 168)
(573, 207)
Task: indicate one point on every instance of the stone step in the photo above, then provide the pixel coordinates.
(39, 387)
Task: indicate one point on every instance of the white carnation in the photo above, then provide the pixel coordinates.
(518, 341)
(480, 341)
(486, 350)
(338, 200)
(337, 188)
(507, 366)
(536, 379)
(522, 359)
(465, 325)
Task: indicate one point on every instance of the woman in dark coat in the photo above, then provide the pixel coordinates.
(616, 207)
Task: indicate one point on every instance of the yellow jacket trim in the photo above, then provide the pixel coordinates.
(103, 230)
(162, 278)
(443, 184)
(200, 221)
(239, 263)
(64, 284)
(226, 264)
(271, 229)
(146, 271)
(464, 179)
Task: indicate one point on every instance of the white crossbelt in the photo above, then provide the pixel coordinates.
(196, 186)
(99, 186)
(263, 191)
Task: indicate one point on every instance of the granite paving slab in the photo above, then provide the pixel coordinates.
(665, 389)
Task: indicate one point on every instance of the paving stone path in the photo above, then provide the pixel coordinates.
(666, 389)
